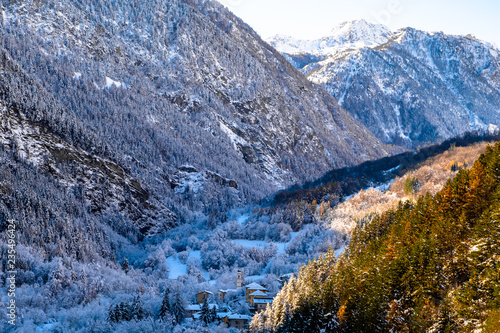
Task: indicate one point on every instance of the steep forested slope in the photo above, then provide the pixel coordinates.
(130, 128)
(429, 265)
(167, 84)
(148, 115)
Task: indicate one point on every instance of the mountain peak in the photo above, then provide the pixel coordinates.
(347, 35)
(360, 32)
(358, 25)
(456, 74)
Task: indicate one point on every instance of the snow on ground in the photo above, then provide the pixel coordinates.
(392, 170)
(177, 268)
(338, 252)
(346, 36)
(28, 138)
(384, 187)
(254, 278)
(46, 327)
(242, 218)
(349, 197)
(261, 244)
(194, 254)
(249, 243)
(235, 139)
(193, 182)
(492, 129)
(110, 82)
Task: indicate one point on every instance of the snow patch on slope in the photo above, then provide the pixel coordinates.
(110, 82)
(177, 268)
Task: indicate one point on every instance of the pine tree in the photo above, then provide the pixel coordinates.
(125, 265)
(178, 309)
(258, 322)
(56, 277)
(205, 314)
(430, 263)
(112, 314)
(446, 321)
(137, 309)
(165, 305)
(118, 313)
(125, 311)
(214, 314)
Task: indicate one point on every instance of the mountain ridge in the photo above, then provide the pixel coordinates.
(149, 118)
(347, 35)
(381, 85)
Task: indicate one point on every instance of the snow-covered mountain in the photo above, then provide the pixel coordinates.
(129, 129)
(408, 87)
(172, 83)
(140, 116)
(348, 35)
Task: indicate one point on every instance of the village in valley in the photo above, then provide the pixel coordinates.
(211, 306)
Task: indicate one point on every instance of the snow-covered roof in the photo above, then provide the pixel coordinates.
(235, 316)
(255, 286)
(262, 300)
(227, 290)
(197, 307)
(258, 293)
(205, 292)
(193, 307)
(223, 314)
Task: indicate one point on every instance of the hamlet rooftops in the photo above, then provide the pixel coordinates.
(255, 286)
(258, 293)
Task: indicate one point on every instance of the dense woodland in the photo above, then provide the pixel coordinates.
(428, 265)
(339, 183)
(180, 95)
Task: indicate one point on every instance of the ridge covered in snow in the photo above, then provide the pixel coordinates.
(346, 36)
(408, 87)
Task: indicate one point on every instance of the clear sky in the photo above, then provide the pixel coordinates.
(309, 19)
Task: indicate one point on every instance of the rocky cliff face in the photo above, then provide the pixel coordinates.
(99, 183)
(409, 87)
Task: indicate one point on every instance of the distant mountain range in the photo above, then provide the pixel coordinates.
(408, 87)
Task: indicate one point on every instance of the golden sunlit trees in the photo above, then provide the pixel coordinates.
(428, 265)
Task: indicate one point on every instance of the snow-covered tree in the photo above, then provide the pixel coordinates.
(165, 304)
(206, 313)
(178, 306)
